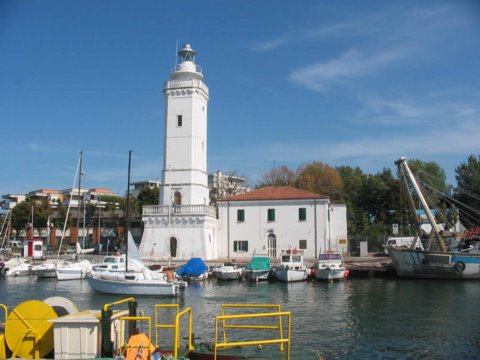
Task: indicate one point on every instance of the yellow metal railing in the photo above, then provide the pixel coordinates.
(5, 312)
(175, 326)
(158, 326)
(123, 319)
(225, 321)
(123, 301)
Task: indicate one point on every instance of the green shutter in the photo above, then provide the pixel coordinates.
(271, 214)
(235, 246)
(302, 214)
(240, 215)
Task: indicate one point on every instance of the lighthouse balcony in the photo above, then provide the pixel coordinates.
(163, 210)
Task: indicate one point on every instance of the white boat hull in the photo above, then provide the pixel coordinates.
(134, 287)
(254, 275)
(228, 273)
(291, 275)
(71, 273)
(330, 274)
(435, 265)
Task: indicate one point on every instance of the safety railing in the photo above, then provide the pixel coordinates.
(175, 326)
(126, 346)
(226, 321)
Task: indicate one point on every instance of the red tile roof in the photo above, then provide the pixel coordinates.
(275, 193)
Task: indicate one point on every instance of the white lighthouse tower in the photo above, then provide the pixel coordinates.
(183, 225)
(184, 175)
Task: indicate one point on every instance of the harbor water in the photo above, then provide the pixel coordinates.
(355, 319)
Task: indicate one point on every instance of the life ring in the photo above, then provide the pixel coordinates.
(459, 266)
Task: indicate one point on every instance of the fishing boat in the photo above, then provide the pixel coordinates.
(228, 272)
(258, 268)
(292, 267)
(136, 278)
(45, 329)
(444, 256)
(330, 266)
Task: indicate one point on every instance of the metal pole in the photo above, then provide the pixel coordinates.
(127, 207)
(79, 186)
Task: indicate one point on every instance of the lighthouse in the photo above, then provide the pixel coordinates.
(183, 225)
(184, 175)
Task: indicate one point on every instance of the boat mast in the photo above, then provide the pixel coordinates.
(127, 207)
(79, 189)
(402, 165)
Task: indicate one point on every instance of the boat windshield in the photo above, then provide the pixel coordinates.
(112, 259)
(330, 257)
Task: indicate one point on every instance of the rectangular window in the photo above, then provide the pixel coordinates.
(179, 120)
(302, 244)
(240, 215)
(302, 214)
(271, 214)
(240, 246)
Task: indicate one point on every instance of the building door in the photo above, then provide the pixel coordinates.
(272, 246)
(173, 247)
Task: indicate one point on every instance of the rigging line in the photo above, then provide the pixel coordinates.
(460, 203)
(470, 217)
(440, 214)
(475, 196)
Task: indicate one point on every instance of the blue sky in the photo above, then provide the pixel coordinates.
(357, 83)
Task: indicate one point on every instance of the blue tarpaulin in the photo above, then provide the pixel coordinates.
(194, 267)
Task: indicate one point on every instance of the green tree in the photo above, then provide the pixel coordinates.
(148, 196)
(467, 191)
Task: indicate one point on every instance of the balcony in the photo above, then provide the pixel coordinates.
(178, 210)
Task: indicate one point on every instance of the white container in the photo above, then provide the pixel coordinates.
(78, 335)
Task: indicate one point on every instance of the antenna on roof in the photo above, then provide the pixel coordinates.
(176, 53)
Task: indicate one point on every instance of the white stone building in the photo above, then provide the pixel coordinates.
(272, 219)
(183, 225)
(262, 221)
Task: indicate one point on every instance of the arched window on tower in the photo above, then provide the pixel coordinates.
(177, 198)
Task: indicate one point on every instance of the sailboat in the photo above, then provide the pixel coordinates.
(136, 279)
(60, 268)
(442, 257)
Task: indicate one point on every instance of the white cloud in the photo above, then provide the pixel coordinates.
(262, 46)
(351, 64)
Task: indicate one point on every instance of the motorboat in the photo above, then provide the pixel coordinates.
(330, 266)
(228, 272)
(114, 262)
(74, 271)
(194, 270)
(17, 267)
(48, 269)
(258, 268)
(292, 267)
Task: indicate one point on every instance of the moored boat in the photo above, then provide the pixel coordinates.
(228, 272)
(17, 267)
(292, 267)
(74, 271)
(193, 270)
(330, 266)
(444, 256)
(259, 268)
